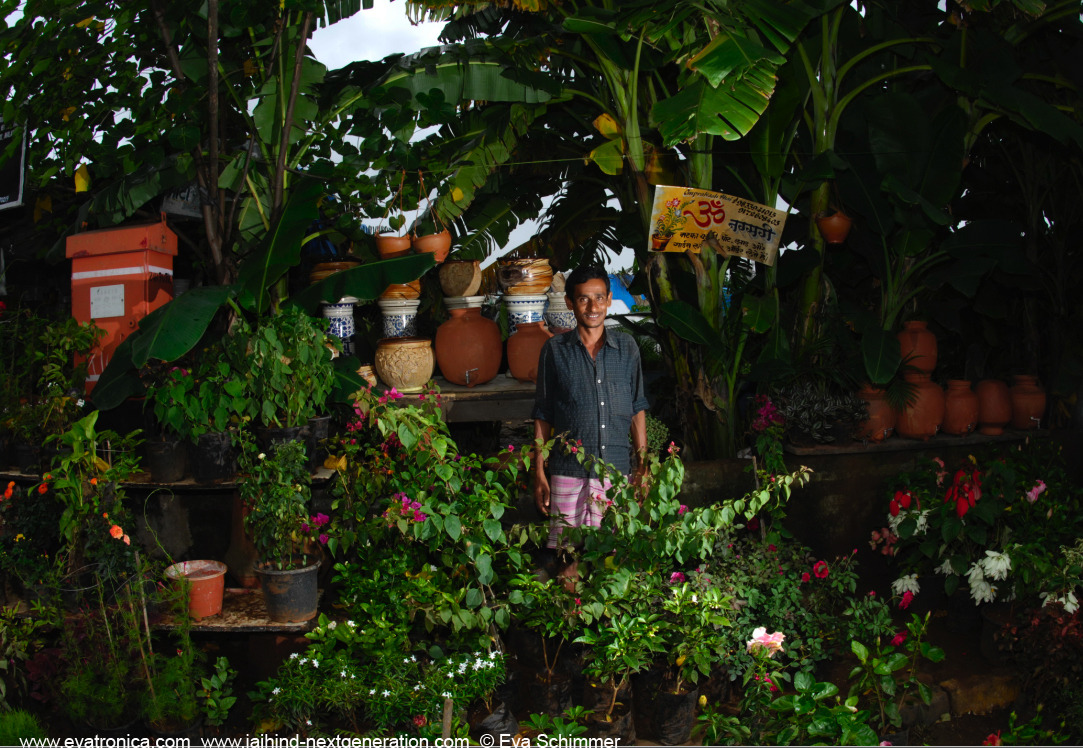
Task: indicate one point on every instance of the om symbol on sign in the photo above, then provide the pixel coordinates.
(707, 212)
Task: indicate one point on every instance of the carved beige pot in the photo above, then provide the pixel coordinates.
(405, 363)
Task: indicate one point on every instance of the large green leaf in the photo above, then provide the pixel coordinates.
(282, 249)
(730, 110)
(366, 282)
(688, 322)
(759, 312)
(119, 381)
(880, 349)
(170, 331)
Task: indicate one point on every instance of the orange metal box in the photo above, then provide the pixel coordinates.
(118, 277)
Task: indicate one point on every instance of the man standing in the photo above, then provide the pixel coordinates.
(590, 388)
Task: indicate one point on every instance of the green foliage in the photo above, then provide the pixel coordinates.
(18, 726)
(20, 640)
(276, 488)
(217, 693)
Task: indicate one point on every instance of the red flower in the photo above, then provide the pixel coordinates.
(820, 569)
(43, 488)
(993, 739)
(899, 638)
(907, 598)
(753, 524)
(805, 577)
(965, 491)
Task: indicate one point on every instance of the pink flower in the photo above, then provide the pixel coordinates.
(820, 569)
(676, 577)
(681, 510)
(381, 399)
(673, 203)
(805, 576)
(394, 394)
(1034, 493)
(772, 548)
(305, 527)
(323, 538)
(320, 519)
(511, 448)
(762, 640)
(907, 598)
(992, 739)
(899, 638)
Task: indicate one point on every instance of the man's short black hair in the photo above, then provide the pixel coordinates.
(581, 275)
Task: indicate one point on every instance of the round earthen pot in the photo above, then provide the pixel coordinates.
(960, 408)
(994, 406)
(405, 363)
(524, 349)
(922, 417)
(438, 244)
(1028, 402)
(468, 346)
(389, 245)
(411, 290)
(881, 421)
(917, 346)
(835, 227)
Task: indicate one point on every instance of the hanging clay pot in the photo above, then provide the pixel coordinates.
(960, 408)
(438, 244)
(1028, 402)
(881, 421)
(917, 345)
(994, 406)
(389, 245)
(468, 346)
(524, 349)
(834, 228)
(405, 363)
(922, 417)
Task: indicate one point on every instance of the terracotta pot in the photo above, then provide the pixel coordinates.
(881, 421)
(524, 349)
(917, 345)
(405, 363)
(438, 244)
(468, 347)
(1028, 402)
(390, 246)
(411, 290)
(921, 419)
(206, 581)
(529, 276)
(324, 269)
(834, 228)
(460, 277)
(994, 406)
(960, 408)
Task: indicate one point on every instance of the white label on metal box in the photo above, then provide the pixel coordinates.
(107, 301)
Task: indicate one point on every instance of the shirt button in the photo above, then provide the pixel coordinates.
(599, 381)
(603, 446)
(602, 403)
(603, 425)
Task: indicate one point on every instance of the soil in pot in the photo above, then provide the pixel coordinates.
(549, 695)
(673, 716)
(619, 725)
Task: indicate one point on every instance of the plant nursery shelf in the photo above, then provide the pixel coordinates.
(243, 611)
(502, 398)
(901, 444)
(143, 481)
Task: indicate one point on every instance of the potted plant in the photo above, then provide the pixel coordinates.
(172, 703)
(275, 489)
(285, 363)
(669, 222)
(549, 611)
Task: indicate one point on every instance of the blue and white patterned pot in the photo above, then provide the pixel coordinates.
(558, 317)
(524, 308)
(400, 317)
(340, 322)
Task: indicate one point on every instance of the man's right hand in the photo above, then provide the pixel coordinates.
(541, 492)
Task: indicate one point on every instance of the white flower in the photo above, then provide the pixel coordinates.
(315, 663)
(432, 567)
(982, 591)
(304, 660)
(350, 624)
(906, 583)
(332, 625)
(262, 456)
(922, 522)
(80, 402)
(275, 691)
(386, 693)
(894, 522)
(1071, 605)
(446, 694)
(996, 565)
(308, 722)
(405, 660)
(342, 674)
(417, 687)
(975, 574)
(413, 658)
(294, 656)
(477, 664)
(694, 598)
(492, 655)
(451, 676)
(372, 692)
(945, 568)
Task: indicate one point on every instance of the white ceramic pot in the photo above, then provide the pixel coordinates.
(400, 317)
(524, 308)
(558, 315)
(341, 324)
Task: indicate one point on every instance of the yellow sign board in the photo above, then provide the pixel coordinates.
(684, 218)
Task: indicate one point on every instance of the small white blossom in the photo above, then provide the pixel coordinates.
(975, 574)
(304, 660)
(386, 693)
(492, 655)
(372, 692)
(342, 674)
(294, 656)
(405, 660)
(308, 722)
(694, 598)
(446, 694)
(982, 591)
(945, 568)
(477, 664)
(417, 687)
(432, 567)
(332, 625)
(262, 456)
(451, 676)
(350, 624)
(996, 565)
(275, 691)
(413, 658)
(315, 663)
(922, 522)
(906, 583)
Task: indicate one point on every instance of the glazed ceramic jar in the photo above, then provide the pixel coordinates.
(405, 363)
(527, 276)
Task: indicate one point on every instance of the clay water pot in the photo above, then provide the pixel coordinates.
(921, 418)
(994, 406)
(1028, 402)
(881, 421)
(917, 346)
(405, 363)
(524, 350)
(388, 245)
(960, 408)
(468, 346)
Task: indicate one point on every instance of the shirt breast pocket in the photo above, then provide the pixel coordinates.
(618, 403)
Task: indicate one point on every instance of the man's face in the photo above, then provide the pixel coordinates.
(590, 302)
